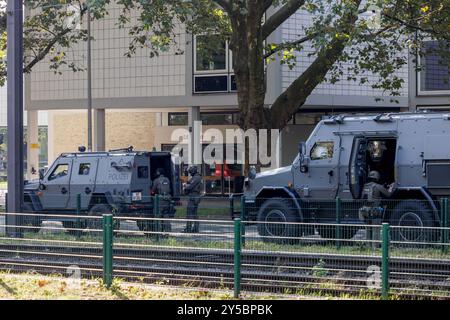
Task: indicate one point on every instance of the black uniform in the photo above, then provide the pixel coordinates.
(161, 187)
(193, 190)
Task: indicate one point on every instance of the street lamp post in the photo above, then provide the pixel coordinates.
(89, 81)
(15, 112)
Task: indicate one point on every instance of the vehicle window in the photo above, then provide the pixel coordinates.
(84, 169)
(60, 171)
(376, 150)
(322, 150)
(143, 172)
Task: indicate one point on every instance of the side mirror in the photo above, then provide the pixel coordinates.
(302, 157)
(302, 149)
(41, 174)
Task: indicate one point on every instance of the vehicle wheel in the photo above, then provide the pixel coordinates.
(32, 220)
(329, 232)
(97, 211)
(271, 216)
(412, 213)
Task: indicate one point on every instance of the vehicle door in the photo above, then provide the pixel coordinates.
(320, 180)
(55, 187)
(358, 167)
(82, 181)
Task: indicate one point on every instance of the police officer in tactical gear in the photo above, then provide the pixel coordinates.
(161, 187)
(373, 193)
(193, 189)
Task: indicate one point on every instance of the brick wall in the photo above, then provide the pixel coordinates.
(123, 128)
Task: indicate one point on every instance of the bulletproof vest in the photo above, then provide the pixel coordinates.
(367, 192)
(196, 182)
(162, 186)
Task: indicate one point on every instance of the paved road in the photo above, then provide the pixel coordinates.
(209, 231)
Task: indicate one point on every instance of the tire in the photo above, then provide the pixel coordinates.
(413, 213)
(97, 211)
(30, 220)
(278, 210)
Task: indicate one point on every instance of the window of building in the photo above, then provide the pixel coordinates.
(84, 169)
(213, 70)
(178, 119)
(211, 53)
(322, 150)
(143, 172)
(434, 76)
(218, 118)
(60, 171)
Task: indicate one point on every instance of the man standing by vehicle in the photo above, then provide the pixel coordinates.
(161, 187)
(374, 192)
(193, 190)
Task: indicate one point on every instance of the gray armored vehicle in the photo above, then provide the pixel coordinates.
(410, 149)
(117, 181)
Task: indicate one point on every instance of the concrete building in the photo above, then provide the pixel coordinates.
(37, 141)
(140, 101)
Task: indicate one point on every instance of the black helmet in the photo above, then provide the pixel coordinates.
(159, 171)
(192, 170)
(374, 175)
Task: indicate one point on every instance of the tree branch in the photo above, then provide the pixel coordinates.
(290, 44)
(275, 20)
(296, 94)
(414, 26)
(42, 53)
(225, 4)
(267, 4)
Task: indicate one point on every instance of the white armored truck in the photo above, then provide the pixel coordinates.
(410, 149)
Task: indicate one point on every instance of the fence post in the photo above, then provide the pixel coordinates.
(78, 222)
(243, 218)
(107, 249)
(444, 232)
(338, 232)
(156, 215)
(385, 262)
(237, 257)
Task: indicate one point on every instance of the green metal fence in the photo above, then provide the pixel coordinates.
(338, 259)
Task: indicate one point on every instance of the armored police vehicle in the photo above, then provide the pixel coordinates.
(118, 181)
(410, 149)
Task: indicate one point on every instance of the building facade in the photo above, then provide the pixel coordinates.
(141, 101)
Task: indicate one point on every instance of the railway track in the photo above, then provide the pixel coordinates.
(272, 272)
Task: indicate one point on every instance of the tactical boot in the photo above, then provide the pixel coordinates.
(195, 227)
(167, 227)
(188, 228)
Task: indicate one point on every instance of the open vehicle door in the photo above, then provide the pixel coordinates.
(358, 167)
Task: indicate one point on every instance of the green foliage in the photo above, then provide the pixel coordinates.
(319, 270)
(340, 45)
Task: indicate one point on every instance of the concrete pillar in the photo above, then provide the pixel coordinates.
(195, 134)
(32, 145)
(99, 130)
(158, 120)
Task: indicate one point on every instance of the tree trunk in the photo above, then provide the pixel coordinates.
(247, 43)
